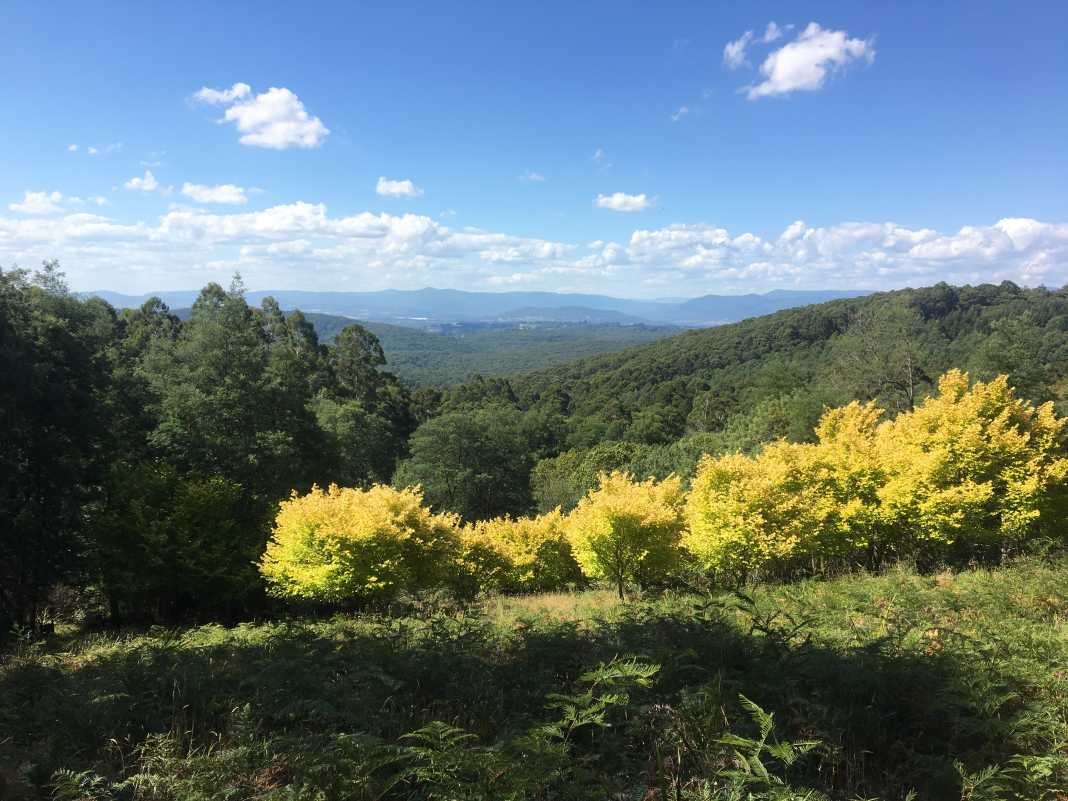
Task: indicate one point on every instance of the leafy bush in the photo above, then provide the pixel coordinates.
(164, 544)
(628, 531)
(536, 549)
(341, 544)
(973, 467)
(970, 469)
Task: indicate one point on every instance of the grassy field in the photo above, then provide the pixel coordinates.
(951, 686)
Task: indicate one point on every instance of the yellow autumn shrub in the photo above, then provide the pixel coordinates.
(627, 530)
(536, 548)
(972, 466)
(342, 543)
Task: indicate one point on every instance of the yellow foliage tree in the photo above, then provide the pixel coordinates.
(626, 530)
(536, 548)
(973, 466)
(340, 544)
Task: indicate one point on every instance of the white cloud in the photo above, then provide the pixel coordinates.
(734, 52)
(72, 148)
(275, 119)
(302, 245)
(227, 194)
(805, 63)
(389, 188)
(530, 176)
(92, 151)
(600, 158)
(223, 97)
(682, 112)
(773, 32)
(147, 183)
(38, 203)
(619, 201)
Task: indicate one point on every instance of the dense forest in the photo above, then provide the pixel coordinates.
(145, 456)
(453, 353)
(397, 568)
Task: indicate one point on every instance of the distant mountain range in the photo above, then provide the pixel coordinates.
(429, 307)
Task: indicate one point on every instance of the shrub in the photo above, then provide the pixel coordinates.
(536, 549)
(973, 467)
(343, 544)
(164, 545)
(628, 531)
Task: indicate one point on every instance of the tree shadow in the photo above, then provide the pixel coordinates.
(889, 720)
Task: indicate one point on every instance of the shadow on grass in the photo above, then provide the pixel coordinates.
(889, 720)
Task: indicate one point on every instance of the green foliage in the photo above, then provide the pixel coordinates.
(947, 687)
(828, 354)
(55, 418)
(232, 399)
(562, 481)
(165, 544)
(473, 463)
(451, 354)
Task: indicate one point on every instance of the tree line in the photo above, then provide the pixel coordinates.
(145, 457)
(971, 473)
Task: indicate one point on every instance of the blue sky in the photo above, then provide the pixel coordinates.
(636, 149)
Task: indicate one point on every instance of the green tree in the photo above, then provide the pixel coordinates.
(231, 403)
(55, 428)
(164, 545)
(475, 463)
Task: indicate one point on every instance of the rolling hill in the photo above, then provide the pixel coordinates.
(450, 353)
(428, 307)
(698, 377)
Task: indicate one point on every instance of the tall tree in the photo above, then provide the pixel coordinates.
(475, 463)
(54, 424)
(881, 357)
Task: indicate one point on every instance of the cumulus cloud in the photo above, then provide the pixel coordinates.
(38, 203)
(530, 176)
(389, 188)
(302, 244)
(72, 148)
(734, 52)
(145, 183)
(274, 119)
(223, 97)
(805, 63)
(226, 194)
(620, 201)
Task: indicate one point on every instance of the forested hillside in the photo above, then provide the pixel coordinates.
(450, 354)
(655, 409)
(128, 429)
(445, 354)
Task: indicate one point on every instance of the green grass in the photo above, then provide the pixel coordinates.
(952, 685)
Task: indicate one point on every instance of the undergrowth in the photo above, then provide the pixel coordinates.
(950, 686)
